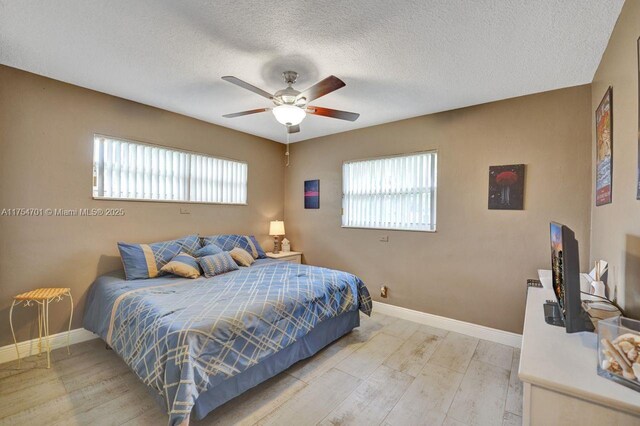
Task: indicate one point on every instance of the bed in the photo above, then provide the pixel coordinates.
(197, 343)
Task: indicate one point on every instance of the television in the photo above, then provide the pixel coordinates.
(565, 273)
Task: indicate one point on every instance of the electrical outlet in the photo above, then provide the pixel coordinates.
(384, 239)
(383, 291)
(185, 210)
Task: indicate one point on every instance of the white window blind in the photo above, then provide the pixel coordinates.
(132, 170)
(391, 193)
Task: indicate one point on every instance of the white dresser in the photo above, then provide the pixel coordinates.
(289, 256)
(560, 379)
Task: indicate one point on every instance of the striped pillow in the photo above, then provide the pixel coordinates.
(183, 265)
(146, 260)
(242, 257)
(208, 250)
(228, 242)
(217, 264)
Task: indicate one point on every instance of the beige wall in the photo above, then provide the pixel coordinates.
(46, 137)
(615, 232)
(474, 268)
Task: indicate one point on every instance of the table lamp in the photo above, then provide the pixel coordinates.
(276, 229)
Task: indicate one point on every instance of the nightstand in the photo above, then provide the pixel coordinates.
(289, 256)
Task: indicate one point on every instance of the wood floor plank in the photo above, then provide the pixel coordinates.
(315, 401)
(94, 373)
(256, 403)
(370, 403)
(310, 368)
(514, 394)
(427, 399)
(366, 359)
(448, 421)
(40, 361)
(454, 352)
(481, 397)
(368, 328)
(494, 354)
(126, 406)
(414, 353)
(23, 399)
(152, 417)
(379, 318)
(66, 405)
(34, 376)
(432, 330)
(401, 328)
(511, 419)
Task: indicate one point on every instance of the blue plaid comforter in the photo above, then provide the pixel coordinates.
(183, 337)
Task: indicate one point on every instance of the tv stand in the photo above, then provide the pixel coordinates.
(560, 379)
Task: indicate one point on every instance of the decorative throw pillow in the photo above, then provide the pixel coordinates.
(242, 257)
(259, 251)
(217, 264)
(183, 265)
(228, 242)
(146, 260)
(207, 250)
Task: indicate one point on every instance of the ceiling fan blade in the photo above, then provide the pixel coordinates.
(240, 114)
(322, 88)
(293, 129)
(333, 113)
(245, 85)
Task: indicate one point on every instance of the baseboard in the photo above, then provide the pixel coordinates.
(30, 347)
(470, 329)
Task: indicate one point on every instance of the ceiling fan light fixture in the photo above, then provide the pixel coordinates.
(289, 115)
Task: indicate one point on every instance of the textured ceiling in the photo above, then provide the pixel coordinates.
(399, 59)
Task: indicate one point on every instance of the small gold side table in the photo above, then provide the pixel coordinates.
(42, 297)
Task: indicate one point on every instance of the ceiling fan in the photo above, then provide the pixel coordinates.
(291, 106)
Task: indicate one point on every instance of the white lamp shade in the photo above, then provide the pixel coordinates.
(276, 228)
(289, 115)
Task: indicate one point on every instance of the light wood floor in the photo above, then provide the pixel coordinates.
(388, 371)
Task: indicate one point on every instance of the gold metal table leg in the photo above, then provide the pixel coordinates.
(46, 332)
(70, 318)
(40, 319)
(15, 342)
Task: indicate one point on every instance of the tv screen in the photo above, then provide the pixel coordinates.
(565, 266)
(557, 264)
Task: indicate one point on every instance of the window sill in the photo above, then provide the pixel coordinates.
(138, 200)
(390, 229)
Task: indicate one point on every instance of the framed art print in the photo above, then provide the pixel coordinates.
(506, 187)
(312, 194)
(604, 149)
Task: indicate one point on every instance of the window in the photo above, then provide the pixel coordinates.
(135, 171)
(390, 193)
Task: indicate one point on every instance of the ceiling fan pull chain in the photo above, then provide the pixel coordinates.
(287, 153)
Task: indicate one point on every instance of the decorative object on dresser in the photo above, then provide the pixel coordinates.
(286, 246)
(276, 230)
(292, 256)
(506, 187)
(312, 194)
(618, 348)
(42, 297)
(604, 149)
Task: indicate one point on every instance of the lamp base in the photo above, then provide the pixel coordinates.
(276, 244)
